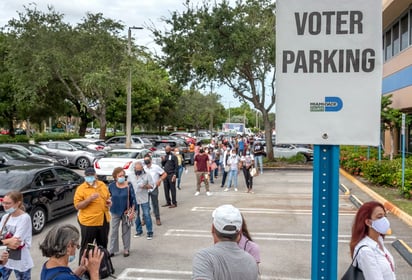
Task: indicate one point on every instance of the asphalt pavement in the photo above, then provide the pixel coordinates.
(278, 215)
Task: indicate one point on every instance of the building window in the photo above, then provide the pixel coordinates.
(404, 32)
(388, 45)
(396, 40)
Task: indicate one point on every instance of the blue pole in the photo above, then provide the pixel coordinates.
(325, 209)
(403, 152)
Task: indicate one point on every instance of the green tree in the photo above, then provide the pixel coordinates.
(391, 119)
(232, 46)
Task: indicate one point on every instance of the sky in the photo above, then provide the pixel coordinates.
(140, 13)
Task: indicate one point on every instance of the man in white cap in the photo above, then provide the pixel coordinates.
(225, 260)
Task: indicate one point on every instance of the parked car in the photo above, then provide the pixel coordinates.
(77, 156)
(92, 144)
(93, 135)
(48, 191)
(290, 150)
(119, 142)
(38, 150)
(183, 147)
(119, 158)
(11, 157)
(30, 154)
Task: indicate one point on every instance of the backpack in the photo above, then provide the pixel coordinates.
(106, 266)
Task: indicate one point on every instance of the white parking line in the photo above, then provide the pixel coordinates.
(274, 211)
(129, 274)
(268, 236)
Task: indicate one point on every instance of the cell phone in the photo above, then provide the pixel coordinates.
(90, 246)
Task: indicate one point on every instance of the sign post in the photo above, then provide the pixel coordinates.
(328, 85)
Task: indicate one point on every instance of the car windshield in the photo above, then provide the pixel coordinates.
(12, 154)
(13, 180)
(37, 150)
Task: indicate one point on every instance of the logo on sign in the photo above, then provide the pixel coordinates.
(331, 104)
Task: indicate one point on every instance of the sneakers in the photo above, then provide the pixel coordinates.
(138, 234)
(208, 193)
(149, 236)
(225, 190)
(235, 189)
(197, 193)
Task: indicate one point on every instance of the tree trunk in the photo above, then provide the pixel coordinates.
(268, 135)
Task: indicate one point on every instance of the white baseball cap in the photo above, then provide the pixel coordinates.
(227, 219)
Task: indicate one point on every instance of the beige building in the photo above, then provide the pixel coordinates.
(397, 67)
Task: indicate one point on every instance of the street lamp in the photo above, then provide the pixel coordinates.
(129, 90)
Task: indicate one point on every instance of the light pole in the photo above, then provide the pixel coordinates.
(129, 90)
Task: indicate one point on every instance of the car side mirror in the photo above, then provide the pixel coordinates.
(2, 160)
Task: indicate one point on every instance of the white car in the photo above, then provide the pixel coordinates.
(93, 135)
(124, 158)
(291, 150)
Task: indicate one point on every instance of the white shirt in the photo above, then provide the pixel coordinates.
(20, 226)
(155, 171)
(375, 263)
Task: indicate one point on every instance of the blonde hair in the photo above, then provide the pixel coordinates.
(17, 197)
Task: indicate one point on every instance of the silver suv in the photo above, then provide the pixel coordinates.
(119, 142)
(77, 157)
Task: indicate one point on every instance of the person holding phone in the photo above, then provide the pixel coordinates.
(60, 245)
(92, 200)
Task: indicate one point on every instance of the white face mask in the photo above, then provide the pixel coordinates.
(381, 225)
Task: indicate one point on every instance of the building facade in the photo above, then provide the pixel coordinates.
(397, 67)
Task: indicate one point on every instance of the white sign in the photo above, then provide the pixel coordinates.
(328, 71)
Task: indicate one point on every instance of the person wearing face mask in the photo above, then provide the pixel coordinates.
(142, 182)
(92, 200)
(181, 165)
(16, 223)
(235, 164)
(170, 166)
(158, 176)
(201, 168)
(60, 245)
(122, 196)
(368, 232)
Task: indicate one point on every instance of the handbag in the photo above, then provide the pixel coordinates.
(213, 166)
(130, 213)
(353, 272)
(253, 171)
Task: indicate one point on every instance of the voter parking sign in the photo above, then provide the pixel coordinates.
(328, 72)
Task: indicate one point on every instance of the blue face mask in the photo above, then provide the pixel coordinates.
(72, 258)
(121, 180)
(11, 210)
(89, 179)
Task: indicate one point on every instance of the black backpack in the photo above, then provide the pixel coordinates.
(106, 266)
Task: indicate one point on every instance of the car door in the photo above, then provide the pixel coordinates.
(49, 193)
(70, 180)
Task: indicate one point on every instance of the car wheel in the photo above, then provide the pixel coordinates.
(82, 163)
(38, 220)
(304, 157)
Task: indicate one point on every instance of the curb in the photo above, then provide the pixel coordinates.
(403, 249)
(387, 204)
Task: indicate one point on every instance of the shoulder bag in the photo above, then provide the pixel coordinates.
(353, 272)
(130, 213)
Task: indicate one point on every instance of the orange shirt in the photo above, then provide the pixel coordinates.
(93, 214)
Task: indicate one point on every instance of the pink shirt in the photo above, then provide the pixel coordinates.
(251, 247)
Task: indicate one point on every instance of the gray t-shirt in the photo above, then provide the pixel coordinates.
(142, 194)
(224, 261)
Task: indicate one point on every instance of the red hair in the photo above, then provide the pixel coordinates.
(359, 228)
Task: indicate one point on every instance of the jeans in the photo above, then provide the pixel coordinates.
(146, 217)
(223, 177)
(154, 197)
(179, 175)
(115, 222)
(232, 176)
(20, 275)
(259, 162)
(217, 169)
(248, 177)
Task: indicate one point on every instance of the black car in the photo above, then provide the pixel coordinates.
(160, 145)
(38, 150)
(10, 157)
(48, 191)
(30, 154)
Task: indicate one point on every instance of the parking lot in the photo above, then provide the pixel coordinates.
(278, 216)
